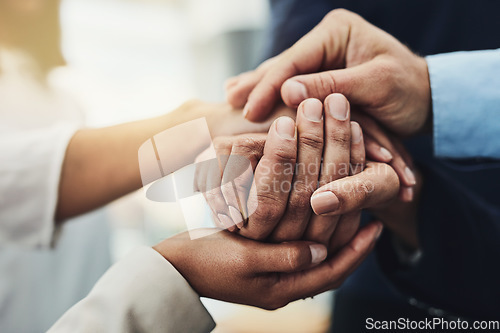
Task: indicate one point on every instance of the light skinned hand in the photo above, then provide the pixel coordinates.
(231, 268)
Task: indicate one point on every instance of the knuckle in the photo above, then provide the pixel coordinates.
(364, 191)
(281, 236)
(336, 13)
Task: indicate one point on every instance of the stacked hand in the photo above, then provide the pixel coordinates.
(294, 196)
(345, 54)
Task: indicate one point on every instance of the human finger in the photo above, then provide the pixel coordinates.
(305, 181)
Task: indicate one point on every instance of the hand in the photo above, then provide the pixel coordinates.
(231, 268)
(401, 218)
(285, 176)
(250, 185)
(348, 55)
(282, 213)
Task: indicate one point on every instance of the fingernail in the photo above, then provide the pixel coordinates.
(337, 105)
(407, 194)
(385, 153)
(356, 133)
(226, 222)
(318, 253)
(313, 110)
(410, 176)
(379, 231)
(245, 110)
(285, 127)
(295, 90)
(325, 202)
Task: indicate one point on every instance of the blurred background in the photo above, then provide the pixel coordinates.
(133, 59)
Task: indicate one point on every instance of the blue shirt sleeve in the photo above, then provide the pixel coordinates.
(466, 103)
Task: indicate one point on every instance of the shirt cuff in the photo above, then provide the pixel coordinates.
(465, 97)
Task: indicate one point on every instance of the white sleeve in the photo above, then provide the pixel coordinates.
(30, 169)
(141, 293)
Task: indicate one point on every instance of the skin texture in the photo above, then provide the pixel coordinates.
(231, 268)
(379, 76)
(102, 163)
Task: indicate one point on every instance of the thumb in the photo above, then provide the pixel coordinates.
(290, 257)
(357, 84)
